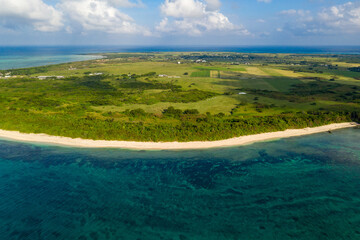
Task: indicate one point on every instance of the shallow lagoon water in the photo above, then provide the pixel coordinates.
(12, 62)
(31, 56)
(297, 188)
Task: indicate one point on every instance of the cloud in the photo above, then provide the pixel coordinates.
(299, 15)
(344, 18)
(42, 17)
(194, 17)
(213, 5)
(183, 8)
(99, 15)
(265, 1)
(125, 3)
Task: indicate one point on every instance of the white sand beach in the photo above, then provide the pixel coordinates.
(244, 140)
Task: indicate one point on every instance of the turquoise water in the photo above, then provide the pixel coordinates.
(31, 56)
(22, 57)
(298, 188)
(12, 62)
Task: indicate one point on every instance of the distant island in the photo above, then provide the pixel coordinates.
(181, 97)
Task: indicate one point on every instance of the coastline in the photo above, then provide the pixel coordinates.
(238, 141)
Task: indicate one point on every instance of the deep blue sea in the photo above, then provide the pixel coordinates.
(298, 188)
(20, 57)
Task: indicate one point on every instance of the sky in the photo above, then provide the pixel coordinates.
(180, 22)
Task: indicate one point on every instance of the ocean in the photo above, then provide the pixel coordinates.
(297, 188)
(21, 57)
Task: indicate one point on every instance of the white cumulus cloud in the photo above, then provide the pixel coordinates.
(213, 5)
(100, 15)
(125, 3)
(195, 17)
(42, 17)
(343, 18)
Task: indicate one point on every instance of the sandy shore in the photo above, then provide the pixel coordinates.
(84, 143)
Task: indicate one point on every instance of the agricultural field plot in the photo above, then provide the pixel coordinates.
(344, 73)
(203, 73)
(243, 81)
(215, 74)
(193, 96)
(345, 64)
(287, 73)
(233, 68)
(256, 71)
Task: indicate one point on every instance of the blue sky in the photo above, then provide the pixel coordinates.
(179, 22)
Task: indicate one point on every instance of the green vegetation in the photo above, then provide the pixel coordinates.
(209, 96)
(205, 73)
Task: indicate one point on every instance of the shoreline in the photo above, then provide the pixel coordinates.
(238, 141)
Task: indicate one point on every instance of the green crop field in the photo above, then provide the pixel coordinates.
(180, 96)
(204, 73)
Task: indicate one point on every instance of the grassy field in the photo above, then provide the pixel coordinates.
(209, 95)
(215, 105)
(203, 73)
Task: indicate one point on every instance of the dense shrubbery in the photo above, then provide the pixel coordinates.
(29, 71)
(101, 101)
(137, 112)
(172, 112)
(96, 82)
(355, 69)
(39, 101)
(199, 127)
(176, 113)
(191, 111)
(134, 84)
(185, 96)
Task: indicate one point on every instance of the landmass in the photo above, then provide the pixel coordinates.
(181, 97)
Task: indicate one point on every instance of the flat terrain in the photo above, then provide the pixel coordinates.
(181, 96)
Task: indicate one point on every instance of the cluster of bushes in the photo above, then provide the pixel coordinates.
(134, 84)
(96, 83)
(176, 113)
(198, 127)
(169, 112)
(178, 96)
(38, 101)
(29, 71)
(355, 69)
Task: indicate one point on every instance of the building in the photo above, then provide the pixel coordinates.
(46, 77)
